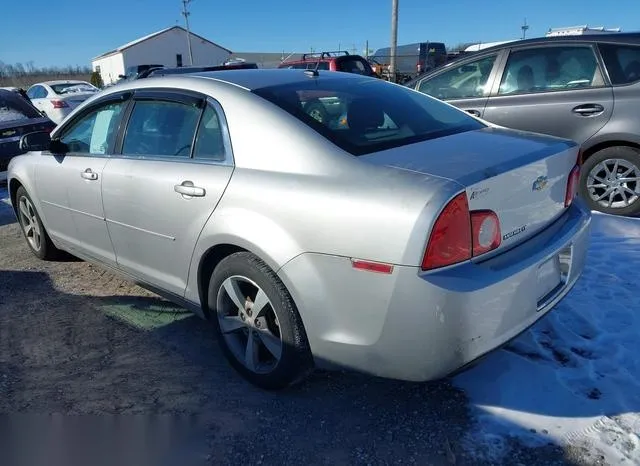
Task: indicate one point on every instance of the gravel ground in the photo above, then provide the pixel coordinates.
(75, 339)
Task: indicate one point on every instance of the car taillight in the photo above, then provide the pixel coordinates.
(458, 234)
(572, 186)
(485, 231)
(59, 104)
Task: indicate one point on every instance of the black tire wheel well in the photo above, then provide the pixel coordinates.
(14, 185)
(605, 145)
(208, 263)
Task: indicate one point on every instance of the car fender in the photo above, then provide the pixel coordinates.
(246, 229)
(607, 138)
(22, 170)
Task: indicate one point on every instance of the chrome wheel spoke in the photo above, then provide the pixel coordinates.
(271, 342)
(28, 229)
(599, 178)
(614, 172)
(604, 194)
(624, 197)
(611, 194)
(629, 179)
(24, 209)
(251, 353)
(234, 292)
(259, 303)
(597, 186)
(229, 324)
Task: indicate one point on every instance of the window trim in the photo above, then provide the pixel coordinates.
(58, 132)
(510, 50)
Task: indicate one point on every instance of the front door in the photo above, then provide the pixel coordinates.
(160, 192)
(69, 183)
(466, 86)
(557, 90)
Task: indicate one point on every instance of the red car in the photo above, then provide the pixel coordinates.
(331, 61)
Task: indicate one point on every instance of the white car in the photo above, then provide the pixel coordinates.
(56, 99)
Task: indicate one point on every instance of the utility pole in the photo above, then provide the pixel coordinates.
(524, 28)
(366, 49)
(186, 14)
(394, 38)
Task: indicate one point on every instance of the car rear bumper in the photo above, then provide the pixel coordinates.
(420, 326)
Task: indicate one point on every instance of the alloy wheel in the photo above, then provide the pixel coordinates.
(30, 224)
(249, 324)
(614, 183)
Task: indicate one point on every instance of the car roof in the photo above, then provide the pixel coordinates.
(252, 79)
(614, 37)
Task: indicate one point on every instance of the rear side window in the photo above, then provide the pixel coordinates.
(161, 128)
(353, 65)
(547, 69)
(362, 115)
(622, 62)
(210, 140)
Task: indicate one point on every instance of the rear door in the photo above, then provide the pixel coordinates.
(173, 166)
(466, 85)
(556, 89)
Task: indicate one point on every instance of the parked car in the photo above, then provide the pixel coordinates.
(17, 117)
(404, 244)
(411, 59)
(585, 88)
(134, 72)
(331, 61)
(56, 99)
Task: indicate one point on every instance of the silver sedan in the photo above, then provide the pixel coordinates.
(387, 232)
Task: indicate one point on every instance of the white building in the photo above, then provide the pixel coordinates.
(168, 47)
(579, 31)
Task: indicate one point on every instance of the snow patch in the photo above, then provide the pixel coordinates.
(574, 378)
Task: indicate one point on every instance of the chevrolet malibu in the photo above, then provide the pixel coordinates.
(399, 237)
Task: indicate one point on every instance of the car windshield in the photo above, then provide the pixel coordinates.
(367, 115)
(12, 108)
(69, 88)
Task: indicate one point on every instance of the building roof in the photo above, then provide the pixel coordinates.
(266, 59)
(152, 35)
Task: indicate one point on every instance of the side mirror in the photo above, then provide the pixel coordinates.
(34, 142)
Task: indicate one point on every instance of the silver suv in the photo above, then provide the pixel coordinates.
(585, 88)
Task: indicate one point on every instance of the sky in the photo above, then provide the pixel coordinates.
(72, 32)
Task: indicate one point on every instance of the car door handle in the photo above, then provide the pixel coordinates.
(89, 174)
(473, 112)
(588, 109)
(187, 188)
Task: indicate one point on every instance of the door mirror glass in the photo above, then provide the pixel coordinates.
(34, 142)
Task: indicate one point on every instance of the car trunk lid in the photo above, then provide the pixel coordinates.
(522, 177)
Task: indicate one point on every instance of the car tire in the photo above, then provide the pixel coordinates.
(248, 338)
(597, 178)
(32, 227)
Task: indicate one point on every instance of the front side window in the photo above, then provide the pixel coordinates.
(364, 116)
(469, 80)
(622, 62)
(93, 134)
(550, 69)
(161, 128)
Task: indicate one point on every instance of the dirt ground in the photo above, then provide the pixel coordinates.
(75, 339)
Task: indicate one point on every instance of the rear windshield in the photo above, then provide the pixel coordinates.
(13, 107)
(368, 115)
(69, 88)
